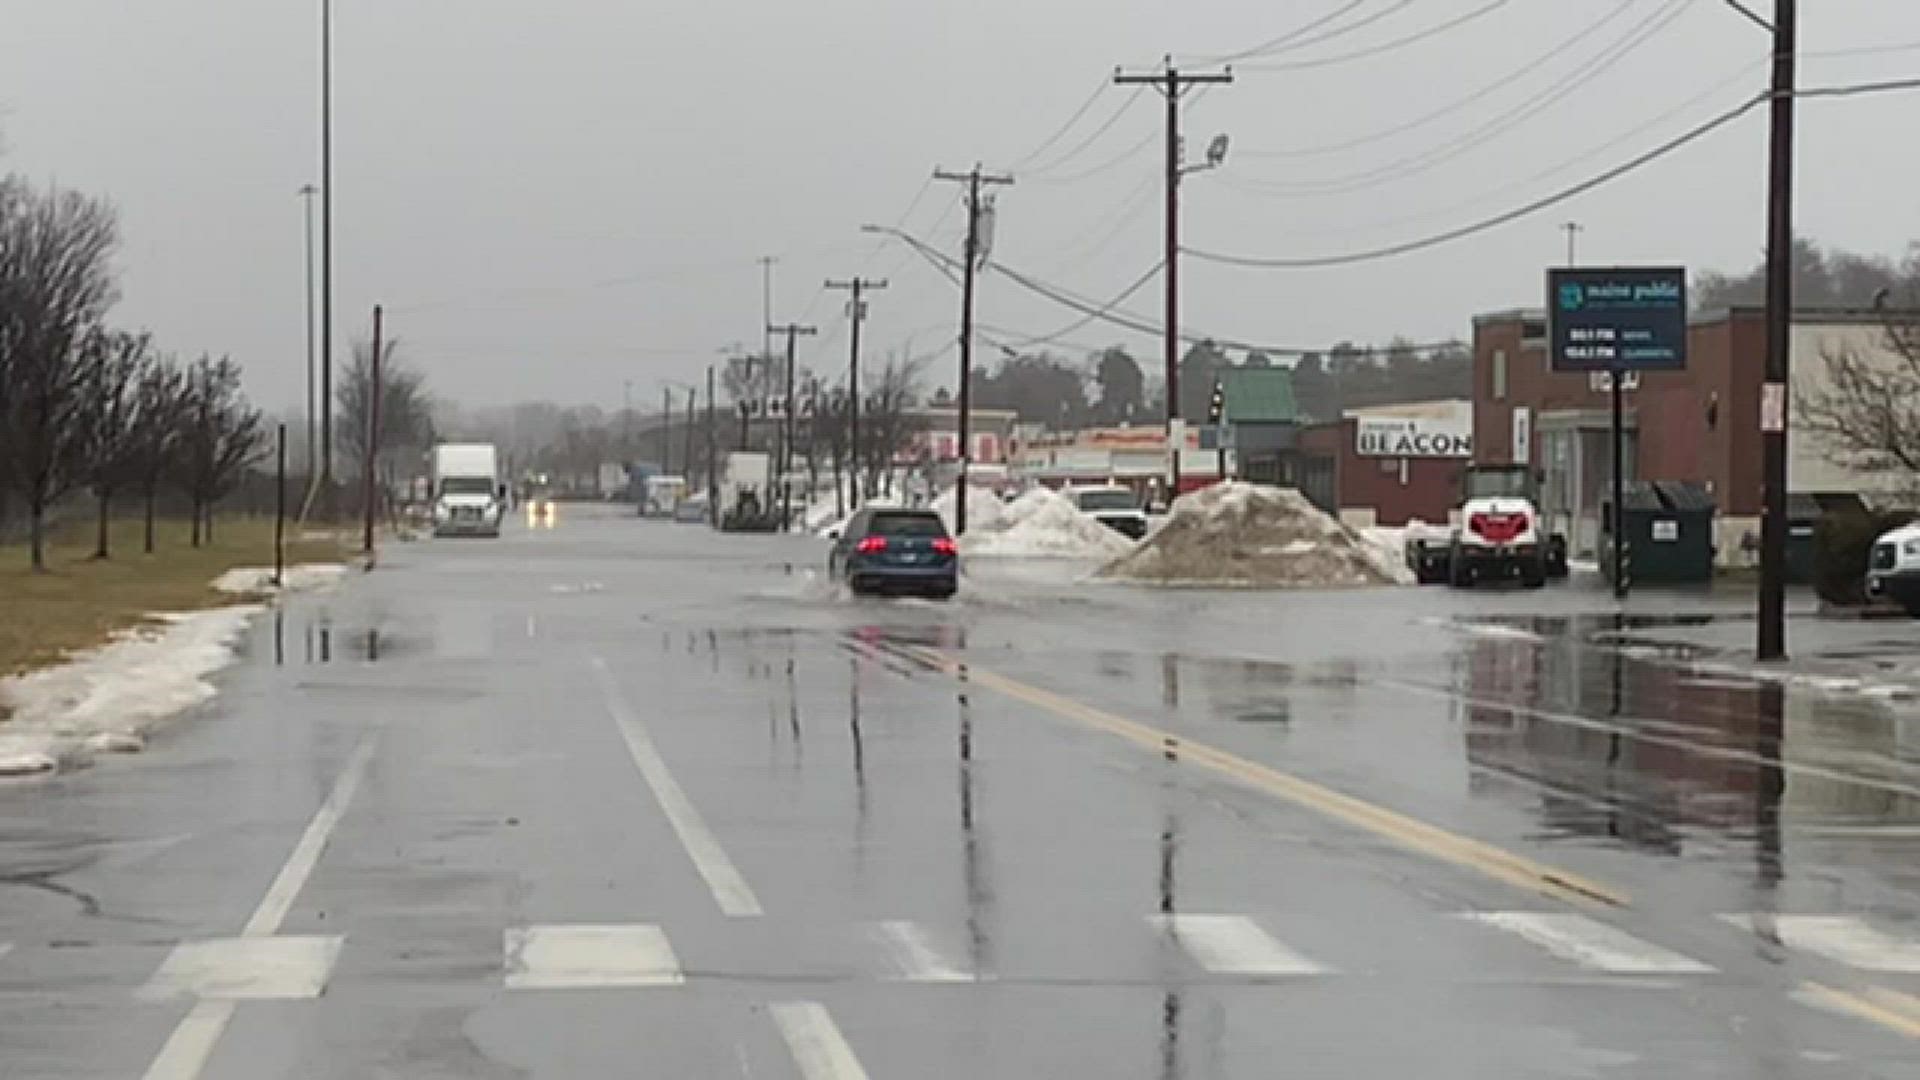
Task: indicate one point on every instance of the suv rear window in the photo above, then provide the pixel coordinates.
(907, 525)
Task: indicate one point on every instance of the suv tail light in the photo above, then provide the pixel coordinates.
(1498, 528)
(946, 546)
(871, 545)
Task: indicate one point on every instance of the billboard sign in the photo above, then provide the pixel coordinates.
(1631, 319)
(1419, 437)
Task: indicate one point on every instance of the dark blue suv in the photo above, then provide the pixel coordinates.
(885, 550)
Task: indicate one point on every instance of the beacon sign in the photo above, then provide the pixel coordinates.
(1621, 319)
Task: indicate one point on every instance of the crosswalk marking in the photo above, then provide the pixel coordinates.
(246, 969)
(590, 956)
(916, 957)
(1233, 945)
(818, 1048)
(1845, 939)
(1590, 943)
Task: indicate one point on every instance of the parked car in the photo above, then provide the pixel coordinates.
(692, 510)
(1893, 568)
(888, 550)
(1116, 507)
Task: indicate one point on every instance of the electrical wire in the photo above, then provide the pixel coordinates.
(1455, 106)
(1691, 135)
(1099, 91)
(1123, 297)
(1083, 145)
(1126, 155)
(1418, 163)
(1298, 38)
(1386, 46)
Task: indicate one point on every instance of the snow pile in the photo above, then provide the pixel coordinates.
(1389, 547)
(258, 580)
(1242, 534)
(985, 511)
(106, 699)
(1044, 524)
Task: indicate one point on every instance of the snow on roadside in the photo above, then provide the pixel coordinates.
(1237, 534)
(985, 511)
(108, 698)
(105, 700)
(1046, 525)
(258, 580)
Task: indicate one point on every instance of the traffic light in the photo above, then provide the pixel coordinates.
(1217, 407)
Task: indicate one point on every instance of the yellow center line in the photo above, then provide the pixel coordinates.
(1890, 1009)
(1408, 832)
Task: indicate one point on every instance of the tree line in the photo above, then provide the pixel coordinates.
(87, 407)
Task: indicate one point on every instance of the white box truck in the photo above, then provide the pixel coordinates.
(469, 498)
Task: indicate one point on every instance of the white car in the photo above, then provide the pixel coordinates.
(1893, 568)
(1116, 507)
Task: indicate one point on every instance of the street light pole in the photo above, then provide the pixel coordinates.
(329, 505)
(1172, 83)
(306, 196)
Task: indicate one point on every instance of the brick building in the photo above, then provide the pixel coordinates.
(1701, 424)
(1387, 464)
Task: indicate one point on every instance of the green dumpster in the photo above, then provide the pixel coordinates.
(1669, 530)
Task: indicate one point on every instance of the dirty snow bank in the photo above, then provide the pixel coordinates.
(257, 580)
(1239, 534)
(106, 699)
(1044, 524)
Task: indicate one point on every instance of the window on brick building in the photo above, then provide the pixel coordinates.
(1499, 374)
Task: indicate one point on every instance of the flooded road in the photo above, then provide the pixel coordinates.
(620, 795)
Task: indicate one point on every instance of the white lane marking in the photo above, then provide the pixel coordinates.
(306, 854)
(815, 1041)
(729, 889)
(582, 957)
(5, 948)
(915, 956)
(1844, 939)
(1233, 945)
(192, 1043)
(246, 969)
(1590, 943)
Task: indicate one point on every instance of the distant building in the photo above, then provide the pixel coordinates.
(1387, 464)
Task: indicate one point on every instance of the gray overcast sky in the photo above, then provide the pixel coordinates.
(555, 197)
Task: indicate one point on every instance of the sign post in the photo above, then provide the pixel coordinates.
(1620, 320)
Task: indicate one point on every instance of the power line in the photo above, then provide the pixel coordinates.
(1125, 295)
(1386, 46)
(1452, 107)
(1415, 164)
(1099, 91)
(1298, 38)
(1084, 144)
(1581, 188)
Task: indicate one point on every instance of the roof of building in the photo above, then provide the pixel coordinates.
(1436, 409)
(1259, 396)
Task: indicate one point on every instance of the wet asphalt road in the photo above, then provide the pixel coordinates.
(621, 798)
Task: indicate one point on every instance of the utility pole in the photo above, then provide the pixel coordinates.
(329, 507)
(1573, 229)
(1772, 635)
(975, 257)
(1172, 83)
(793, 332)
(666, 431)
(373, 429)
(306, 196)
(857, 311)
(686, 459)
(713, 459)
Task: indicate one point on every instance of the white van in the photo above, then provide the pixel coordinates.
(1893, 568)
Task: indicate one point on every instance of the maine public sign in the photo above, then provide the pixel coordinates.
(1625, 319)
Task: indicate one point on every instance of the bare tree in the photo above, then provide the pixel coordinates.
(406, 412)
(887, 425)
(1867, 410)
(159, 420)
(110, 438)
(55, 284)
(220, 437)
